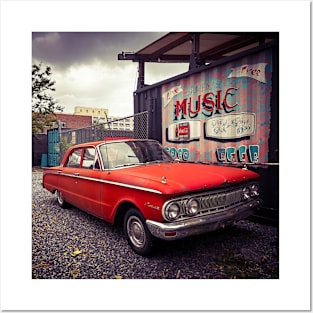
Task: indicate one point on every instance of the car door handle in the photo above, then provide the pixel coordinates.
(76, 174)
(59, 171)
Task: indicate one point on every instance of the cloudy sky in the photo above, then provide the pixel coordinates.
(87, 72)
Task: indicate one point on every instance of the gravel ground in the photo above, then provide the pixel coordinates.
(69, 244)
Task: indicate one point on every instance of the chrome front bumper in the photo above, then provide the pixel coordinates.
(202, 224)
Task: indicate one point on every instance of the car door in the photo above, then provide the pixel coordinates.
(88, 182)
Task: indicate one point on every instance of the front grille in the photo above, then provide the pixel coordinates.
(214, 201)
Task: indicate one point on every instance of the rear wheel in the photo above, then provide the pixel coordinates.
(60, 200)
(137, 233)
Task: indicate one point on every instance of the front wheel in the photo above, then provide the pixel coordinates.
(137, 234)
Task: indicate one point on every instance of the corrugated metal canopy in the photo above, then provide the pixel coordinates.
(197, 48)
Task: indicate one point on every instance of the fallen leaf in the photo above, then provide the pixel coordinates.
(74, 273)
(42, 265)
(76, 252)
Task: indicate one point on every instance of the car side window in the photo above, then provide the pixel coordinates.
(74, 158)
(89, 160)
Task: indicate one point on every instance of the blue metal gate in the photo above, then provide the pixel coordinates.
(53, 147)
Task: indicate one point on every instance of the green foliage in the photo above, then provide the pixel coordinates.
(64, 145)
(44, 105)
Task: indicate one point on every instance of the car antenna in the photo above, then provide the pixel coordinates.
(106, 116)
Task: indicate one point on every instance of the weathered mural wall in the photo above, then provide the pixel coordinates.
(220, 115)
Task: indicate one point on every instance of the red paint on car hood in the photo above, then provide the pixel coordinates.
(183, 177)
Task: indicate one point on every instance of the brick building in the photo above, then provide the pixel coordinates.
(70, 121)
(74, 121)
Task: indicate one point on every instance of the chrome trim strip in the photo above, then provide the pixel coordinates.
(132, 186)
(202, 224)
(107, 182)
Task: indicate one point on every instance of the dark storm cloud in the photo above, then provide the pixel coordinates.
(63, 49)
(87, 71)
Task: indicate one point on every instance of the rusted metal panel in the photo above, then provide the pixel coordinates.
(222, 114)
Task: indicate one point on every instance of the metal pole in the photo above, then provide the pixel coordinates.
(59, 131)
(195, 54)
(141, 75)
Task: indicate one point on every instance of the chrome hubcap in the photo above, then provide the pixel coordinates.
(60, 198)
(136, 231)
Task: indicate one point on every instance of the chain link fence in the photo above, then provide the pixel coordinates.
(135, 126)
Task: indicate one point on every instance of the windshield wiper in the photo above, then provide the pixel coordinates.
(155, 162)
(127, 164)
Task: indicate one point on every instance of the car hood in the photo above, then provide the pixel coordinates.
(180, 178)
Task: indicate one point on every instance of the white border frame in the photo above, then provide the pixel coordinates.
(292, 291)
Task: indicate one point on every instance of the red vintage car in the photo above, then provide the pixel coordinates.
(138, 184)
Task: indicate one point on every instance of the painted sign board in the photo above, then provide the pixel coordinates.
(221, 114)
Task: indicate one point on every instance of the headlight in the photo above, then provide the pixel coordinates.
(255, 190)
(172, 211)
(192, 207)
(246, 193)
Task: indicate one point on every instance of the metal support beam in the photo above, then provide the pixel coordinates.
(141, 75)
(195, 54)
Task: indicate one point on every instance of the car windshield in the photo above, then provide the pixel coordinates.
(121, 154)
